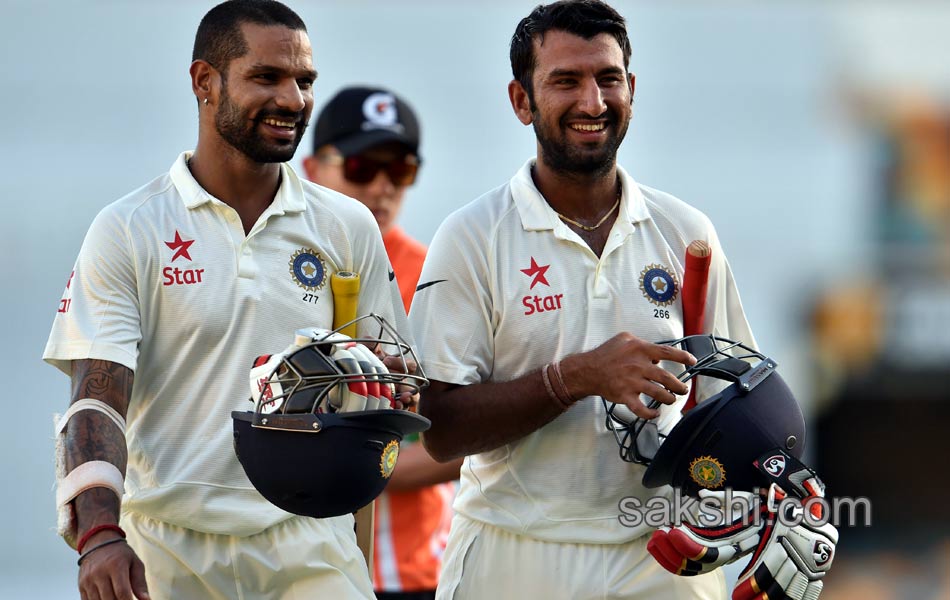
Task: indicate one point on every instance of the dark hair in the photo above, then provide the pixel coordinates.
(584, 18)
(219, 39)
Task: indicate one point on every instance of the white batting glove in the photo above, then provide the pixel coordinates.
(693, 549)
(789, 561)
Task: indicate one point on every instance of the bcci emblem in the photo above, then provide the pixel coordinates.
(658, 285)
(387, 461)
(707, 472)
(308, 269)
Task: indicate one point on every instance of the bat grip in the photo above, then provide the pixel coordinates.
(695, 286)
(346, 290)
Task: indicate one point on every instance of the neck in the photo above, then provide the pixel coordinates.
(579, 196)
(247, 186)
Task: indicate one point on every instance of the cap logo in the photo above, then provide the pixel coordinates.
(387, 462)
(380, 112)
(707, 472)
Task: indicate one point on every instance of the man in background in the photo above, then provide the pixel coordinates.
(366, 145)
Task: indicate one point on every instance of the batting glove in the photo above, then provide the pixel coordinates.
(690, 549)
(790, 560)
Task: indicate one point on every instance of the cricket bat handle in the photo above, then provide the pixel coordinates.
(695, 286)
(346, 291)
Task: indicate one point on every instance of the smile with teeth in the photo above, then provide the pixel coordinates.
(279, 123)
(588, 126)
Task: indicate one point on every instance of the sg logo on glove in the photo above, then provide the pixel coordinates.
(822, 553)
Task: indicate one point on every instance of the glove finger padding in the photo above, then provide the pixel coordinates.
(265, 382)
(690, 549)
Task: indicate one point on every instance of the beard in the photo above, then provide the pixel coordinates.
(563, 157)
(232, 124)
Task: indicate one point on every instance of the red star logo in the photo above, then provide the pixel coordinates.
(180, 247)
(538, 273)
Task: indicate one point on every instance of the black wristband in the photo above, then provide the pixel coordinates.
(96, 547)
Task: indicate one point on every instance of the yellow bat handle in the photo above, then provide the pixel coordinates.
(346, 291)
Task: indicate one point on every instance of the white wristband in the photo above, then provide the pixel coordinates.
(95, 473)
(90, 404)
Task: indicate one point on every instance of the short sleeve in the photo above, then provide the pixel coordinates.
(98, 316)
(452, 315)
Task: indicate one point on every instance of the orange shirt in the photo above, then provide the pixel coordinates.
(406, 256)
(412, 527)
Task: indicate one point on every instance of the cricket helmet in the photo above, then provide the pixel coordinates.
(722, 441)
(323, 438)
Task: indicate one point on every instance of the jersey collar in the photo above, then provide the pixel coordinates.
(537, 214)
(289, 198)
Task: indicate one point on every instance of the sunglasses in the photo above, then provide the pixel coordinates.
(362, 169)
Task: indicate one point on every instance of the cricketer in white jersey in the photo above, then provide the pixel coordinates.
(168, 285)
(517, 289)
(539, 298)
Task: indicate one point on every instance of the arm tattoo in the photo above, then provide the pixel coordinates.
(92, 436)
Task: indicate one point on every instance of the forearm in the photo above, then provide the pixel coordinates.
(416, 469)
(91, 436)
(481, 417)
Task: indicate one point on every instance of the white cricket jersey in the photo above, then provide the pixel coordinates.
(168, 284)
(508, 287)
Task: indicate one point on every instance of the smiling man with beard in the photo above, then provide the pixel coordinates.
(178, 287)
(557, 284)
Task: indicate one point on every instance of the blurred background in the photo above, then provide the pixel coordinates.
(816, 135)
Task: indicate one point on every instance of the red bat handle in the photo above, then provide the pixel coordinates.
(695, 284)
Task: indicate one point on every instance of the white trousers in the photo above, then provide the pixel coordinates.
(296, 559)
(486, 563)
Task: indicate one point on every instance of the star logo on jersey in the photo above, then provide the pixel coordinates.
(537, 273)
(180, 247)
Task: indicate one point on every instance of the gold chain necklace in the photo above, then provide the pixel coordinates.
(600, 222)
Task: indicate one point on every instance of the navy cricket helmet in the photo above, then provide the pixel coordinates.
(323, 439)
(722, 441)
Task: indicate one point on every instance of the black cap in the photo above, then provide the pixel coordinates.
(358, 118)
